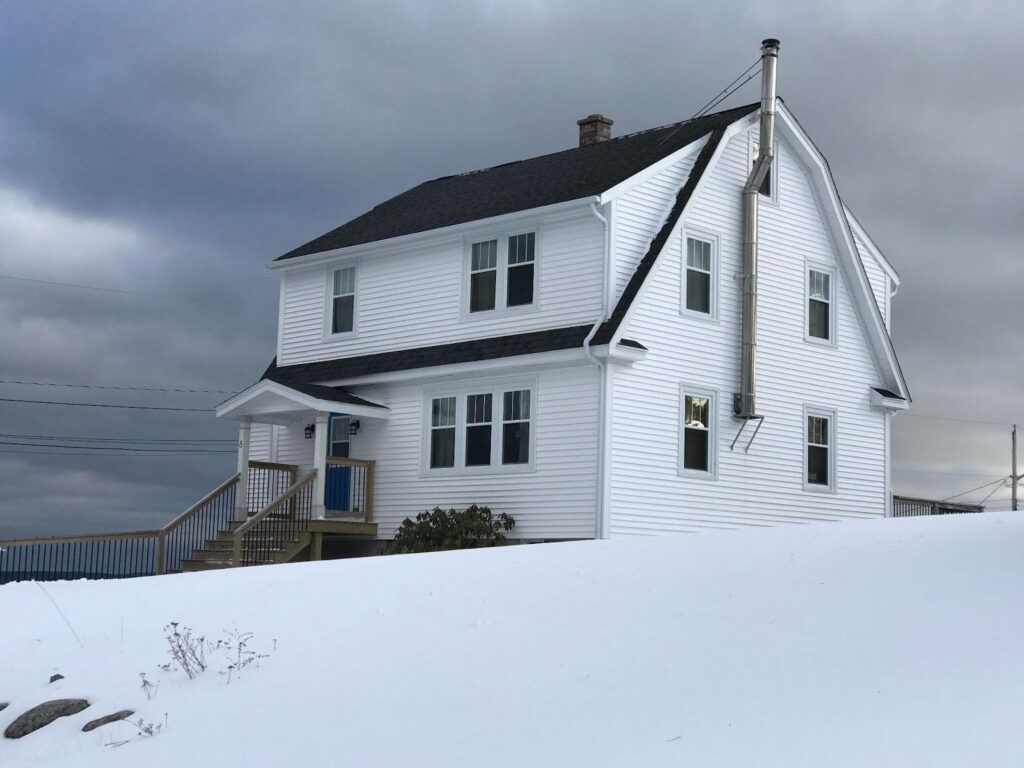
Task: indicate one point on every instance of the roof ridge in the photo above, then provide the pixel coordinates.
(631, 135)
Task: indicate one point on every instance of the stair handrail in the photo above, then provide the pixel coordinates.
(239, 533)
(159, 565)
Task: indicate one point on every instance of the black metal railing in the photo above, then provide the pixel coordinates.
(905, 506)
(102, 556)
(276, 527)
(190, 530)
(267, 481)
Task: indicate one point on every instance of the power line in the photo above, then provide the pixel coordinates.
(117, 439)
(986, 485)
(990, 495)
(110, 455)
(718, 98)
(950, 418)
(107, 405)
(111, 386)
(952, 474)
(130, 449)
(125, 291)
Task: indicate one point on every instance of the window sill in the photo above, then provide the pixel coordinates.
(825, 489)
(489, 471)
(500, 312)
(826, 343)
(343, 336)
(696, 474)
(701, 317)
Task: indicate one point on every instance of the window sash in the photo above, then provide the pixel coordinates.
(340, 439)
(466, 433)
(343, 300)
(818, 470)
(698, 418)
(819, 304)
(502, 272)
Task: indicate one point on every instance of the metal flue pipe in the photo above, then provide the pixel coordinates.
(745, 406)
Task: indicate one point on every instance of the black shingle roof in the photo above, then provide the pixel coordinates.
(331, 394)
(568, 175)
(296, 376)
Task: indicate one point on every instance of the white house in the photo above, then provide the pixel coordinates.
(560, 338)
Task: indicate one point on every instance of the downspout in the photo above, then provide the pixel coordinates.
(601, 510)
(745, 402)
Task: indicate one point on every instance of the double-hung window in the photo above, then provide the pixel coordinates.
(515, 428)
(819, 305)
(697, 432)
(502, 272)
(480, 427)
(483, 276)
(442, 432)
(340, 438)
(343, 301)
(699, 276)
(819, 452)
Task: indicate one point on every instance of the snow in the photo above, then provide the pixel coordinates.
(881, 643)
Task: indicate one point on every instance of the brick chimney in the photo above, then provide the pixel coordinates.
(594, 128)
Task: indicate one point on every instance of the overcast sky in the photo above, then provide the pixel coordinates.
(173, 148)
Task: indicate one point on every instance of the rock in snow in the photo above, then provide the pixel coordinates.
(113, 718)
(42, 715)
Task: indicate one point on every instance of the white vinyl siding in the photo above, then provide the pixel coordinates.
(554, 498)
(640, 213)
(764, 486)
(417, 296)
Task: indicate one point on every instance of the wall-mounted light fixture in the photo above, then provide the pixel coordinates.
(309, 431)
(353, 427)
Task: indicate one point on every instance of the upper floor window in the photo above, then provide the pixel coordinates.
(483, 426)
(343, 302)
(819, 472)
(699, 275)
(819, 305)
(697, 432)
(502, 272)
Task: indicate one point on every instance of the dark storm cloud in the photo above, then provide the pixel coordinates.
(175, 147)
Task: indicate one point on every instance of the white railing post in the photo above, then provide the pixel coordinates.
(242, 490)
(320, 462)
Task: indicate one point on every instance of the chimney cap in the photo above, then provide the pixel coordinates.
(595, 117)
(769, 42)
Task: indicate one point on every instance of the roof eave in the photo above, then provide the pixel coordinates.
(312, 259)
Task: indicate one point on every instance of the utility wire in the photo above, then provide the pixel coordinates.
(952, 474)
(719, 97)
(990, 495)
(125, 291)
(107, 405)
(111, 386)
(131, 449)
(986, 485)
(117, 439)
(950, 418)
(110, 455)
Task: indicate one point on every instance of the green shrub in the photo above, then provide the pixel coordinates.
(439, 530)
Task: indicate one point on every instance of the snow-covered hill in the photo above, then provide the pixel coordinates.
(884, 643)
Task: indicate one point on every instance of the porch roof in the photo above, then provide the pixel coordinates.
(272, 402)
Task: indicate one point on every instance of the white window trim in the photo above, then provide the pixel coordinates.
(501, 280)
(329, 334)
(460, 391)
(833, 446)
(712, 395)
(752, 146)
(698, 234)
(833, 301)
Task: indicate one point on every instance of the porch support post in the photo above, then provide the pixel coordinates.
(320, 461)
(242, 489)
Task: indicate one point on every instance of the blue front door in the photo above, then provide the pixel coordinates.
(338, 481)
